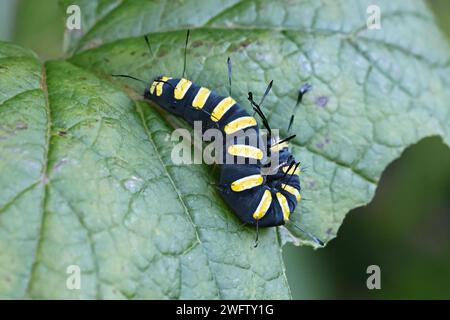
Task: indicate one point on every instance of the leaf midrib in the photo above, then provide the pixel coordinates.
(180, 197)
(44, 180)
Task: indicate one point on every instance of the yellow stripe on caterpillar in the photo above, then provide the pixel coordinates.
(247, 183)
(221, 108)
(284, 205)
(264, 205)
(242, 150)
(182, 87)
(200, 98)
(291, 170)
(292, 191)
(159, 85)
(239, 124)
(279, 146)
(152, 88)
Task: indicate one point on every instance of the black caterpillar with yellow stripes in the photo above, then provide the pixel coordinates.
(257, 197)
(266, 200)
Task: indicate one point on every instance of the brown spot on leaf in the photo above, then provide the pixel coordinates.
(162, 52)
(244, 44)
(197, 43)
(21, 126)
(322, 101)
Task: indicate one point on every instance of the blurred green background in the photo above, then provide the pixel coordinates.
(405, 230)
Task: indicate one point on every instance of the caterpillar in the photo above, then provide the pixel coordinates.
(256, 197)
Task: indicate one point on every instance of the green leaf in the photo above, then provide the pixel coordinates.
(85, 165)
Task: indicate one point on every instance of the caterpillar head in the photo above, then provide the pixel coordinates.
(161, 92)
